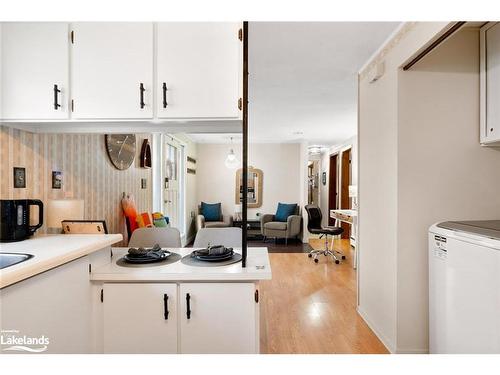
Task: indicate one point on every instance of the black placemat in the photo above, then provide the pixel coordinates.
(191, 261)
(174, 257)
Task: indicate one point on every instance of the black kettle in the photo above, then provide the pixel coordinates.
(15, 219)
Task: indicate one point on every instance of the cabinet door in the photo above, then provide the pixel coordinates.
(135, 319)
(56, 305)
(112, 70)
(198, 70)
(222, 318)
(34, 60)
(493, 83)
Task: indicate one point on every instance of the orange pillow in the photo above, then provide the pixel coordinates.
(130, 211)
(144, 220)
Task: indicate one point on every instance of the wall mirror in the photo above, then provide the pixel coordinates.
(254, 191)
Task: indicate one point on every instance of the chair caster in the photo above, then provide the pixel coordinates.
(337, 261)
(309, 255)
(316, 260)
(343, 256)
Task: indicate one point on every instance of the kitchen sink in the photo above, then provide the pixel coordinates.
(9, 259)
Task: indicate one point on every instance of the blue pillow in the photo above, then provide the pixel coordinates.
(284, 210)
(212, 212)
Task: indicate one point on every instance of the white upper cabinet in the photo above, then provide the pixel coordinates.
(112, 70)
(198, 70)
(34, 74)
(490, 84)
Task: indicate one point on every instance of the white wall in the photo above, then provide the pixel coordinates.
(377, 181)
(280, 164)
(303, 186)
(1, 74)
(419, 162)
(325, 167)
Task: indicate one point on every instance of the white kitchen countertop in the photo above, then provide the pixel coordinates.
(178, 271)
(51, 251)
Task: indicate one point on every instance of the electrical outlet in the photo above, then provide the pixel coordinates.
(19, 177)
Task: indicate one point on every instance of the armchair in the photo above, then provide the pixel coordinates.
(290, 228)
(223, 222)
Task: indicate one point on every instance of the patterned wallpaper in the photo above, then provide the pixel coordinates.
(87, 173)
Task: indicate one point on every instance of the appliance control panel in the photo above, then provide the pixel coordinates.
(440, 247)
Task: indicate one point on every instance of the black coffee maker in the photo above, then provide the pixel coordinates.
(15, 219)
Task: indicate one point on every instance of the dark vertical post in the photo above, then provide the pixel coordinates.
(245, 144)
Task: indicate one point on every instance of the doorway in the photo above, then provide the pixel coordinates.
(345, 181)
(313, 182)
(173, 183)
(332, 187)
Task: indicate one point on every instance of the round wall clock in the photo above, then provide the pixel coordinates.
(120, 149)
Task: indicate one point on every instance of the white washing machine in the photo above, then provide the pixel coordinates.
(464, 287)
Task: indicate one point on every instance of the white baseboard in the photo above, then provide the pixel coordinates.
(412, 351)
(387, 343)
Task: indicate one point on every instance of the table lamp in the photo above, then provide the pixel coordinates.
(237, 212)
(64, 209)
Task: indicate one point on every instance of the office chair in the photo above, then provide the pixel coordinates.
(314, 227)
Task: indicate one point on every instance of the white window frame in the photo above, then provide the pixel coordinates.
(158, 176)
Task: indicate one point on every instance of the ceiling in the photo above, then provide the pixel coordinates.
(217, 138)
(303, 78)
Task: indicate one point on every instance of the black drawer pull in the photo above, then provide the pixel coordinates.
(142, 89)
(56, 92)
(165, 95)
(188, 306)
(165, 306)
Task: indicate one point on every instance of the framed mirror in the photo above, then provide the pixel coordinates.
(254, 192)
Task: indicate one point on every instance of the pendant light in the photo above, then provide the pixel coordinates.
(231, 159)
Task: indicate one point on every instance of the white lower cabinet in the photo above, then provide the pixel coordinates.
(53, 307)
(217, 318)
(140, 318)
(202, 318)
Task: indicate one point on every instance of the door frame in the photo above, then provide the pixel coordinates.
(345, 181)
(158, 176)
(333, 161)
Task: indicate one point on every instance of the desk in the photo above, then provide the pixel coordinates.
(253, 227)
(350, 217)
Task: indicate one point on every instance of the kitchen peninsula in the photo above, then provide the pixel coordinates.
(156, 308)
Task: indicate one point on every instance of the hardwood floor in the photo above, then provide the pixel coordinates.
(311, 308)
(280, 246)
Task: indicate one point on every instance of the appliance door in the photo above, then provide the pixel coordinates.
(472, 298)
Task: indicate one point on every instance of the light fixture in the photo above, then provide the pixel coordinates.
(314, 150)
(231, 159)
